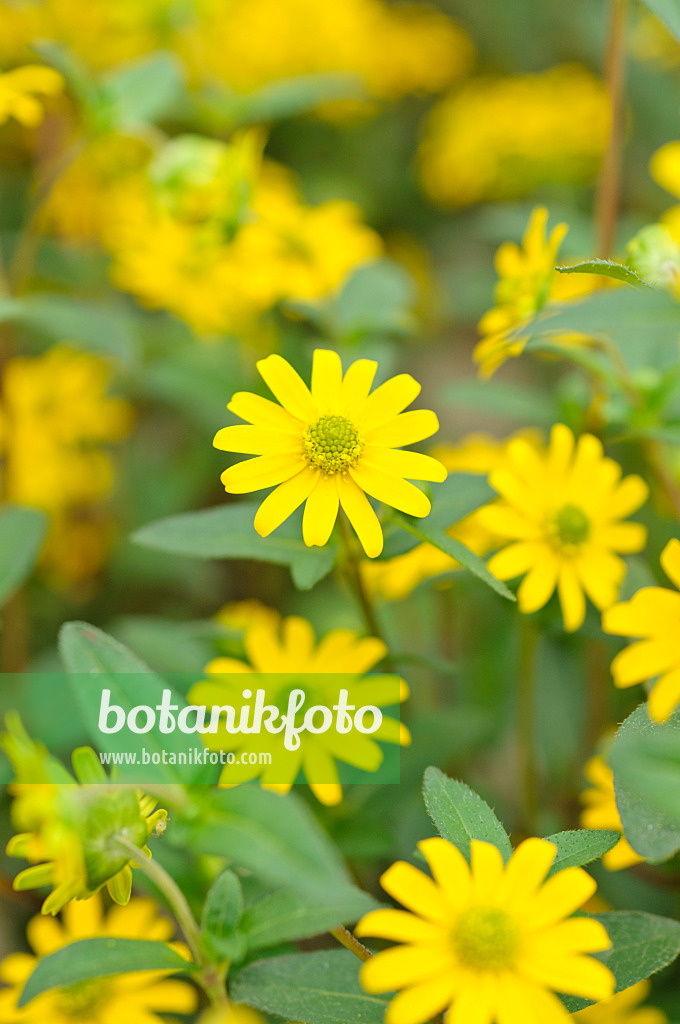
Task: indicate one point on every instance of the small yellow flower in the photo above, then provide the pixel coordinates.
(600, 811)
(561, 512)
(136, 997)
(19, 89)
(527, 282)
(284, 650)
(623, 1008)
(489, 943)
(330, 448)
(653, 616)
(664, 168)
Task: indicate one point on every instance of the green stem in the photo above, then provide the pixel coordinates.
(353, 566)
(609, 186)
(526, 693)
(350, 942)
(209, 978)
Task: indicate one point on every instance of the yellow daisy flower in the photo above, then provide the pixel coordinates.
(561, 512)
(487, 942)
(18, 89)
(284, 650)
(623, 1008)
(136, 998)
(600, 811)
(330, 447)
(527, 281)
(653, 616)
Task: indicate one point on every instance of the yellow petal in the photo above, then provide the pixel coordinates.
(645, 659)
(670, 561)
(387, 401)
(538, 585)
(575, 935)
(631, 493)
(326, 380)
(391, 490)
(404, 965)
(449, 868)
(287, 386)
(262, 412)
(561, 895)
(665, 697)
(475, 1002)
(264, 471)
(361, 515)
(256, 441)
(526, 870)
(515, 560)
(422, 1002)
(282, 502)
(572, 598)
(406, 428)
(321, 511)
(572, 975)
(411, 465)
(397, 925)
(487, 870)
(415, 890)
(356, 385)
(601, 575)
(664, 167)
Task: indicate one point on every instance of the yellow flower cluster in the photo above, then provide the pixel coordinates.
(55, 418)
(137, 997)
(498, 138)
(19, 91)
(220, 269)
(527, 282)
(393, 49)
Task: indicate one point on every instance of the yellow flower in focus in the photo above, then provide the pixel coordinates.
(600, 811)
(487, 943)
(285, 650)
(55, 419)
(499, 138)
(623, 1008)
(395, 578)
(19, 90)
(652, 616)
(137, 997)
(561, 511)
(330, 448)
(527, 282)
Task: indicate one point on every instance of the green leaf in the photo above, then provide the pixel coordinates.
(642, 944)
(222, 913)
(581, 846)
(94, 660)
(318, 988)
(22, 532)
(275, 837)
(461, 815)
(144, 90)
(107, 327)
(99, 958)
(455, 549)
(227, 531)
(606, 268)
(667, 11)
(376, 299)
(286, 915)
(220, 108)
(505, 399)
(645, 759)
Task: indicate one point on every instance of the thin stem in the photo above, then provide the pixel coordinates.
(526, 693)
(350, 942)
(353, 566)
(669, 484)
(609, 185)
(209, 977)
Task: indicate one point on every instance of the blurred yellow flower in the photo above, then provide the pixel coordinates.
(137, 997)
(600, 811)
(238, 1013)
(66, 829)
(330, 447)
(561, 511)
(285, 650)
(485, 941)
(499, 138)
(19, 90)
(221, 271)
(240, 615)
(664, 167)
(55, 418)
(395, 578)
(652, 616)
(623, 1008)
(527, 283)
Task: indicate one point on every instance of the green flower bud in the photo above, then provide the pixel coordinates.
(655, 256)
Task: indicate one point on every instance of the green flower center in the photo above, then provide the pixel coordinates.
(571, 526)
(486, 938)
(332, 444)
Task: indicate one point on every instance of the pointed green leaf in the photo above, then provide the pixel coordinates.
(461, 815)
(22, 532)
(286, 915)
(581, 846)
(606, 268)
